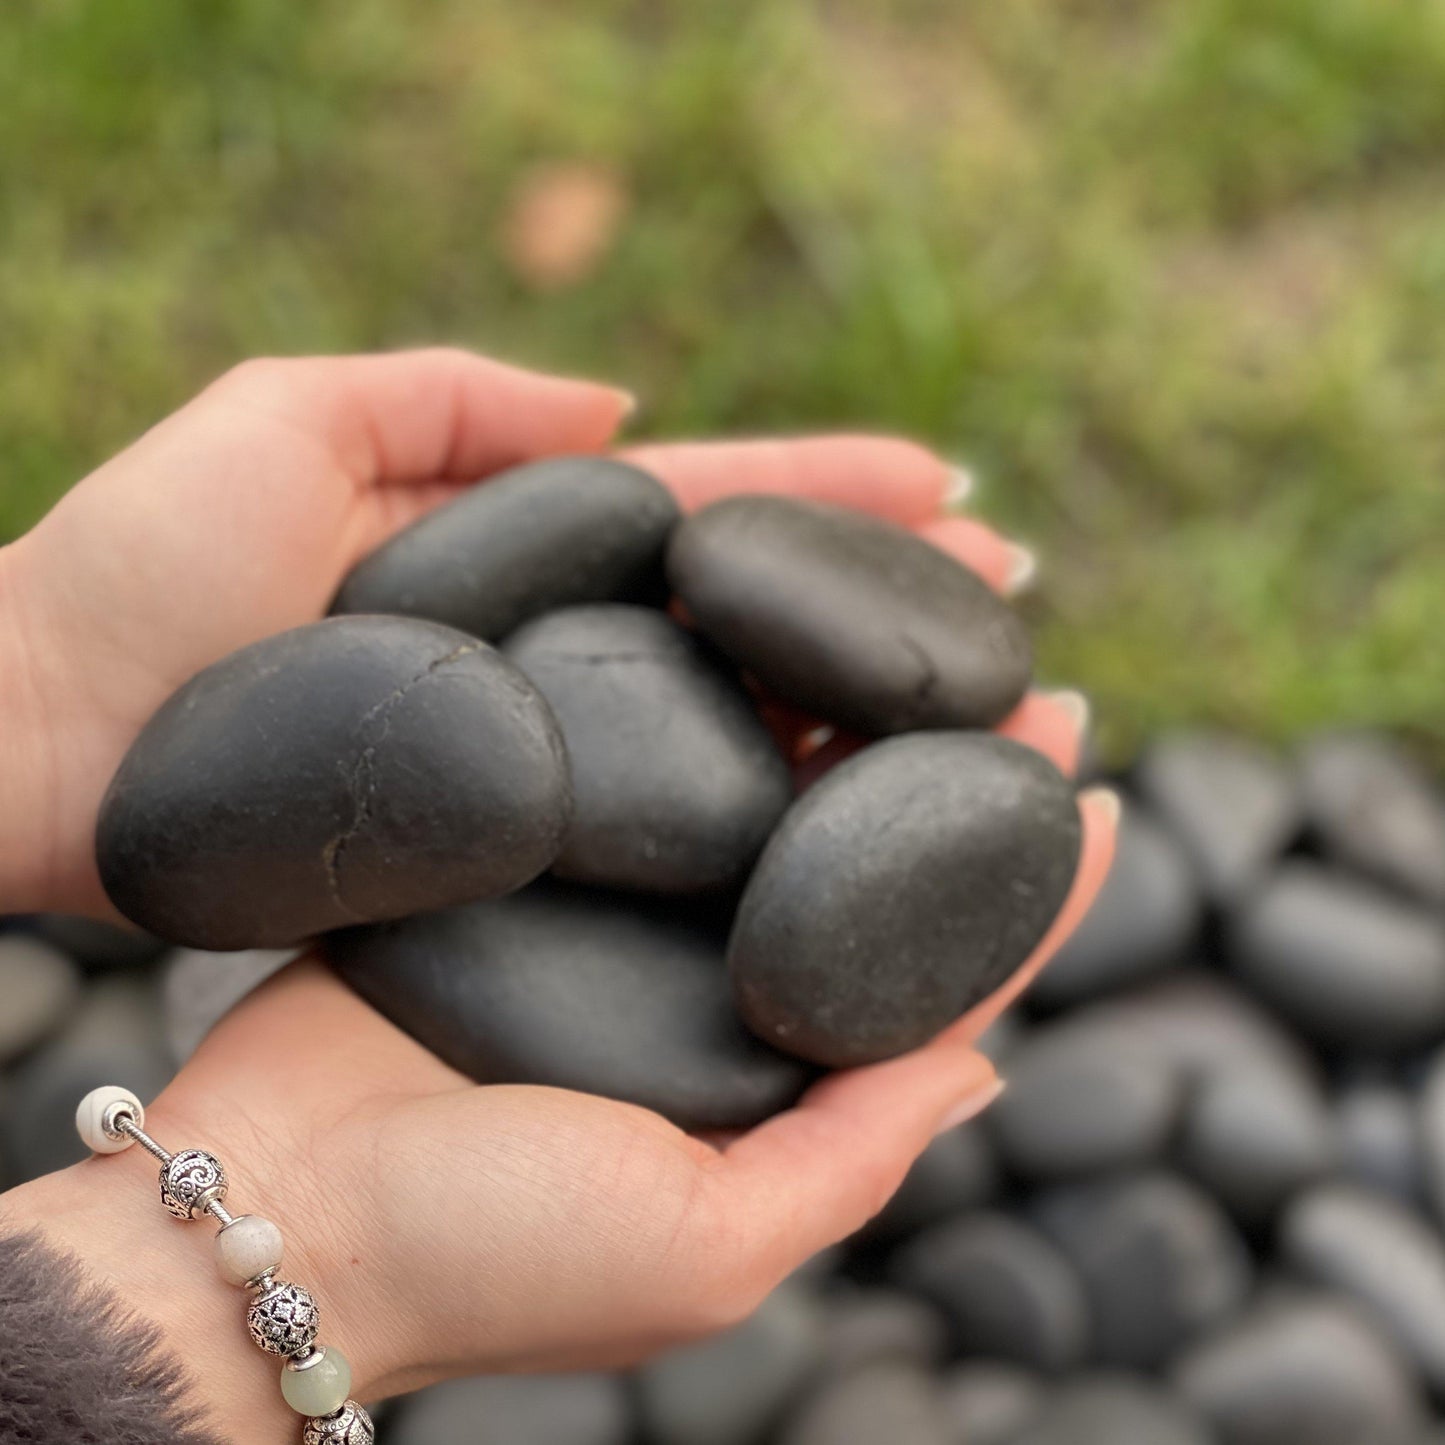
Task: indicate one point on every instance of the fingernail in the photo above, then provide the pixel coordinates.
(1075, 706)
(958, 488)
(1023, 568)
(629, 403)
(972, 1104)
(1106, 801)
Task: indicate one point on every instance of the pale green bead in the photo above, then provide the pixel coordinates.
(317, 1386)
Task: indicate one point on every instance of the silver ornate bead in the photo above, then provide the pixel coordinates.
(350, 1425)
(190, 1181)
(283, 1320)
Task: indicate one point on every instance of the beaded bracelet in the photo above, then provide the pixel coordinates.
(282, 1318)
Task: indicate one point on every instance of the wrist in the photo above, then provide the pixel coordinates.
(106, 1214)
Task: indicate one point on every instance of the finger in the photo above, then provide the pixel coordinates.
(1006, 566)
(818, 1172)
(886, 476)
(434, 414)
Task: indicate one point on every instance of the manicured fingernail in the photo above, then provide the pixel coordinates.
(1104, 800)
(958, 488)
(1075, 706)
(1023, 568)
(971, 1105)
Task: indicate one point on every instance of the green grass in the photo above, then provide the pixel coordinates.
(1171, 274)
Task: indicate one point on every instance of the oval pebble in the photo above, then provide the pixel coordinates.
(1232, 803)
(676, 779)
(1160, 1261)
(1380, 1253)
(1073, 1107)
(575, 989)
(898, 892)
(889, 1400)
(545, 535)
(1310, 1372)
(864, 1325)
(959, 1170)
(1008, 1293)
(516, 1410)
(353, 770)
(1374, 808)
(849, 618)
(1143, 921)
(1114, 1410)
(988, 1402)
(1383, 1144)
(1350, 965)
(39, 986)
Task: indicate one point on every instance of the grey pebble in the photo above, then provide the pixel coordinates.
(677, 781)
(1383, 1141)
(958, 1171)
(989, 1402)
(899, 891)
(549, 534)
(1232, 803)
(1073, 1107)
(734, 1388)
(114, 1036)
(865, 1324)
(852, 619)
(1374, 808)
(1107, 1409)
(1144, 920)
(889, 1402)
(356, 769)
(1256, 1134)
(39, 986)
(1380, 1253)
(1312, 1372)
(1429, 1121)
(1347, 963)
(577, 989)
(1008, 1292)
(516, 1410)
(1160, 1261)
(198, 989)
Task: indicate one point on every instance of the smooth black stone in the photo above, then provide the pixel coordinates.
(549, 534)
(899, 891)
(959, 1170)
(849, 618)
(864, 1325)
(516, 1410)
(1349, 964)
(1115, 1410)
(1008, 1293)
(1233, 804)
(987, 1402)
(1382, 1254)
(1255, 1135)
(113, 1034)
(1073, 1107)
(353, 770)
(1145, 919)
(734, 1388)
(889, 1402)
(677, 780)
(1311, 1372)
(1383, 1145)
(1160, 1261)
(1373, 807)
(579, 990)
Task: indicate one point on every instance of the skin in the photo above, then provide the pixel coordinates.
(443, 1227)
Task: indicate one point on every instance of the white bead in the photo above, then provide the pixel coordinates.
(246, 1247)
(90, 1118)
(319, 1384)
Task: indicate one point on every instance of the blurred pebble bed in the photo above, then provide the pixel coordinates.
(1209, 1209)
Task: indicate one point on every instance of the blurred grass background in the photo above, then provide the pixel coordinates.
(1169, 273)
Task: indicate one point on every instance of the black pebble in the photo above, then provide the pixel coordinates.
(676, 778)
(899, 891)
(579, 990)
(357, 769)
(850, 618)
(549, 534)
